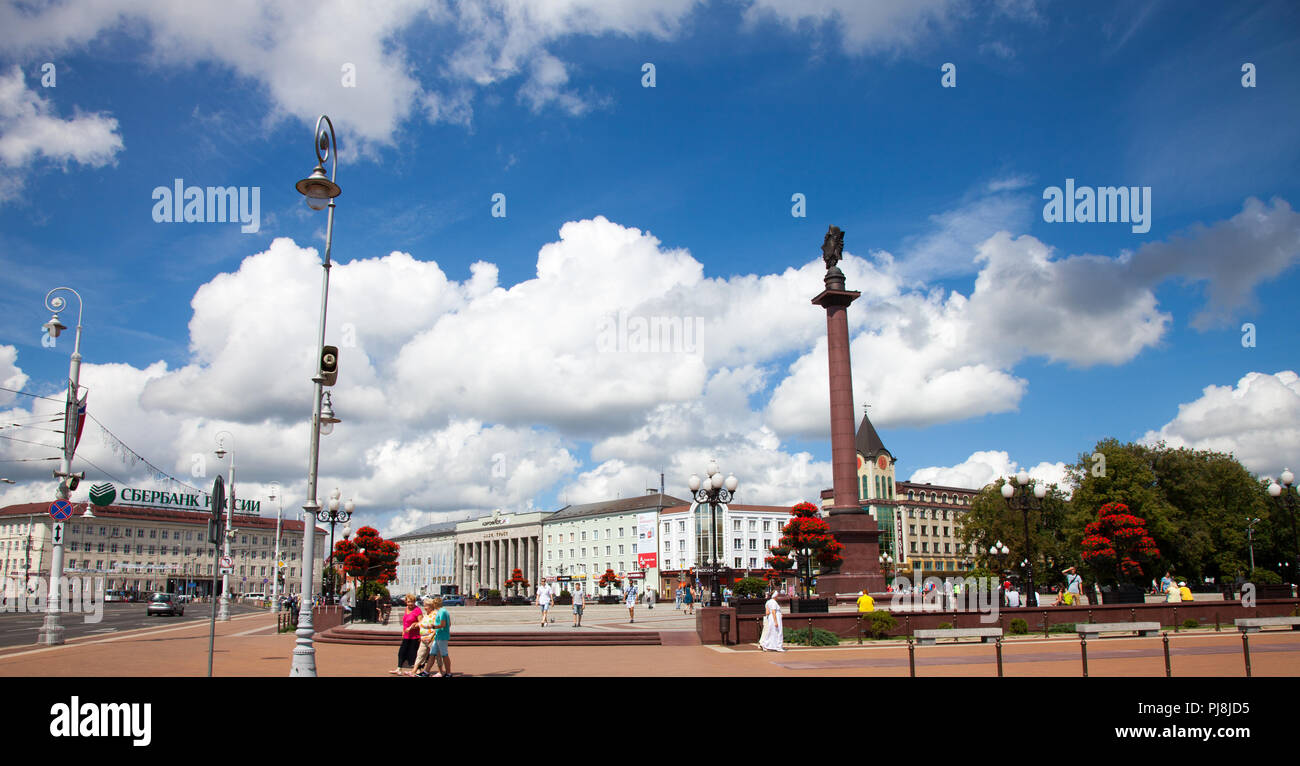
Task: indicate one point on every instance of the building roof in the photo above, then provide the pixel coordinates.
(157, 515)
(733, 507)
(428, 530)
(906, 485)
(645, 502)
(868, 441)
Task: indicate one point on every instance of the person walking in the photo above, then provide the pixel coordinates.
(579, 601)
(441, 636)
(773, 636)
(410, 646)
(426, 639)
(677, 597)
(544, 601)
(688, 601)
(629, 598)
(649, 598)
(1074, 584)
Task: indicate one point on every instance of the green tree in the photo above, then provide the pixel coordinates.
(1196, 504)
(991, 519)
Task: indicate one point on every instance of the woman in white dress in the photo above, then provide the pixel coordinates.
(773, 634)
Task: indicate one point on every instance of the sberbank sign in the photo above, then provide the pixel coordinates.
(156, 498)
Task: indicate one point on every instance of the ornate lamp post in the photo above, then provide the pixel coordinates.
(887, 564)
(1023, 499)
(1284, 495)
(714, 490)
(320, 192)
(51, 632)
(278, 575)
(331, 514)
(223, 613)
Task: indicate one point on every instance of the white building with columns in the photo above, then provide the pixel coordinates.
(582, 541)
(489, 548)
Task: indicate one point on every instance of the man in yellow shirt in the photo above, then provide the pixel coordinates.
(865, 602)
(1184, 592)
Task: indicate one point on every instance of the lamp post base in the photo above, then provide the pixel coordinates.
(223, 610)
(51, 632)
(304, 652)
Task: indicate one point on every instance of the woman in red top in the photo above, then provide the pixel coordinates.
(410, 639)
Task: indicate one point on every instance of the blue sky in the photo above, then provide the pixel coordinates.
(753, 102)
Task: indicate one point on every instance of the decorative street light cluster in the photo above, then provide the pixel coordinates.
(714, 490)
(1285, 495)
(320, 191)
(998, 552)
(224, 612)
(332, 514)
(1024, 499)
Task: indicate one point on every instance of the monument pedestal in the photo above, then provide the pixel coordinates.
(860, 535)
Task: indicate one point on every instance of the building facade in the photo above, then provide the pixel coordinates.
(488, 549)
(583, 541)
(426, 561)
(143, 550)
(748, 534)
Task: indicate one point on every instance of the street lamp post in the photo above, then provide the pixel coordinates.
(52, 632)
(714, 490)
(887, 563)
(1285, 495)
(333, 515)
(1250, 539)
(1023, 499)
(320, 192)
(223, 613)
(276, 494)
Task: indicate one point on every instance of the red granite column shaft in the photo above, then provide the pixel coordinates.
(855, 529)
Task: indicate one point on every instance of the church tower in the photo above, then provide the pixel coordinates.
(876, 480)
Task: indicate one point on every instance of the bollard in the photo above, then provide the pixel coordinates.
(1245, 649)
(999, 649)
(859, 630)
(1175, 619)
(1132, 615)
(1083, 645)
(911, 659)
(1045, 634)
(1090, 615)
(954, 618)
(1169, 673)
(1216, 622)
(909, 624)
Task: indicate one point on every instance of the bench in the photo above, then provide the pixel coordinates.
(1095, 629)
(1253, 624)
(985, 635)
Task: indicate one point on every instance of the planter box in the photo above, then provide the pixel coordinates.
(748, 607)
(810, 606)
(1273, 591)
(1123, 594)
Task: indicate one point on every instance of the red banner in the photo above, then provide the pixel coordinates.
(647, 560)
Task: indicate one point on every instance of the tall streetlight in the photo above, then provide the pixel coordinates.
(1023, 499)
(320, 192)
(224, 437)
(714, 490)
(51, 632)
(1284, 495)
(887, 564)
(276, 494)
(1250, 540)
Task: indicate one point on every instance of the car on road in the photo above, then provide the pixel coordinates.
(453, 599)
(165, 603)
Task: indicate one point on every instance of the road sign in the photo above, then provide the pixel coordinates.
(281, 565)
(58, 533)
(218, 498)
(227, 562)
(61, 510)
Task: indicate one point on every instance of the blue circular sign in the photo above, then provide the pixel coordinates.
(61, 510)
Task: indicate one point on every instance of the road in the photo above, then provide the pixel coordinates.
(20, 628)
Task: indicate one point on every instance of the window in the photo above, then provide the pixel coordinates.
(607, 550)
(925, 547)
(945, 531)
(947, 547)
(548, 539)
(681, 546)
(753, 563)
(111, 549)
(189, 535)
(767, 526)
(735, 525)
(150, 550)
(735, 544)
(737, 560)
(753, 544)
(620, 550)
(571, 554)
(595, 534)
(243, 539)
(103, 531)
(620, 531)
(911, 529)
(584, 553)
(164, 535)
(584, 539)
(923, 528)
(548, 555)
(561, 553)
(570, 537)
(911, 513)
(76, 528)
(667, 526)
(153, 534)
(767, 543)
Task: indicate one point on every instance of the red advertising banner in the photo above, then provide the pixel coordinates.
(647, 560)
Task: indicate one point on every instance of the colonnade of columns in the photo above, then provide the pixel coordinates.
(494, 560)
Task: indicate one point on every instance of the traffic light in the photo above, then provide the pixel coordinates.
(329, 365)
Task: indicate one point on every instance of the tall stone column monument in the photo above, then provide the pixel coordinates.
(850, 524)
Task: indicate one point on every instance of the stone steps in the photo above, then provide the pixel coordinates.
(501, 638)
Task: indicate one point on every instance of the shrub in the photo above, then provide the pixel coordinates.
(811, 637)
(1265, 577)
(1019, 627)
(1190, 623)
(494, 593)
(565, 594)
(749, 587)
(881, 624)
(945, 626)
(1065, 627)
